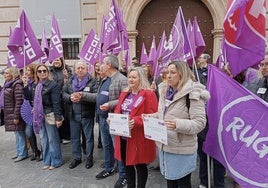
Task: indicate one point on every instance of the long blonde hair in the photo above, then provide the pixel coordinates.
(144, 83)
(185, 72)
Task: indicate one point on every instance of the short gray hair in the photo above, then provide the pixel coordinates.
(113, 60)
(206, 56)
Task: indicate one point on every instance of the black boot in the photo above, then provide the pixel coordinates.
(38, 156)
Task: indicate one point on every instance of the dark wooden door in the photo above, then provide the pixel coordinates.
(159, 15)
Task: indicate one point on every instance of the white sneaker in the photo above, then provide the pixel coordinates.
(202, 186)
(65, 141)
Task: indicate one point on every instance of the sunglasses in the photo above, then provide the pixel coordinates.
(42, 71)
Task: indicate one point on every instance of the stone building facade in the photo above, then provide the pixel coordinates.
(91, 17)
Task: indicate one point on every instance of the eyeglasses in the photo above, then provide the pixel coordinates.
(42, 71)
(264, 64)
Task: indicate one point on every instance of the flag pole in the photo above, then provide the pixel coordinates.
(24, 60)
(191, 49)
(208, 168)
(159, 60)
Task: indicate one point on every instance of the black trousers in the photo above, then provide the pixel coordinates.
(131, 170)
(184, 182)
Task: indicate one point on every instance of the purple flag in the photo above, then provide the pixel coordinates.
(91, 49)
(10, 56)
(237, 135)
(44, 47)
(221, 61)
(199, 44)
(159, 56)
(23, 43)
(186, 42)
(191, 35)
(56, 48)
(127, 59)
(152, 54)
(174, 47)
(109, 32)
(144, 56)
(244, 30)
(123, 36)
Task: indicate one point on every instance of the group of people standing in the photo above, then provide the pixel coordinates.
(78, 98)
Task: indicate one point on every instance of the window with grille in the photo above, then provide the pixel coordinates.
(70, 48)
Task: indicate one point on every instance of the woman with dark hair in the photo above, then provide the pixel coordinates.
(60, 72)
(28, 80)
(11, 98)
(47, 116)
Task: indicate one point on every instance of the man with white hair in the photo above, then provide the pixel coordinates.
(81, 112)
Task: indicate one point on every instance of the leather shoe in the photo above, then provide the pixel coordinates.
(18, 159)
(74, 163)
(15, 157)
(89, 163)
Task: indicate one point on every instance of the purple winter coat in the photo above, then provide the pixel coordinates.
(13, 99)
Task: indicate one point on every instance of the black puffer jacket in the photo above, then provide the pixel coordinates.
(13, 99)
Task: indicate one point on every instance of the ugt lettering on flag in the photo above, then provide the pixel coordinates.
(244, 30)
(91, 49)
(238, 134)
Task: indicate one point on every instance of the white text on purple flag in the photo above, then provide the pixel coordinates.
(56, 41)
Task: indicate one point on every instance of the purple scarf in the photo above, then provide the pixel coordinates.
(169, 96)
(79, 86)
(38, 111)
(170, 93)
(6, 84)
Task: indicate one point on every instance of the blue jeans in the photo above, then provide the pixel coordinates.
(21, 148)
(32, 138)
(218, 169)
(107, 144)
(120, 164)
(77, 124)
(50, 142)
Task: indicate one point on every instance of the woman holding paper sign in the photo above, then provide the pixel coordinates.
(182, 107)
(137, 151)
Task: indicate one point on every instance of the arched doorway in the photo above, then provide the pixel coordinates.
(159, 15)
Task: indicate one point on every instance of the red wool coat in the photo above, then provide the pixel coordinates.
(139, 150)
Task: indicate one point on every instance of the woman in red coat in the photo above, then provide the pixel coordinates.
(136, 152)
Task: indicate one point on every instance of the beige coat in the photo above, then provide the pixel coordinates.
(183, 140)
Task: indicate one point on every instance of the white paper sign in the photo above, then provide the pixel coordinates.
(119, 124)
(155, 129)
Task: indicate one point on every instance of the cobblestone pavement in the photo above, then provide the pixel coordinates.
(29, 174)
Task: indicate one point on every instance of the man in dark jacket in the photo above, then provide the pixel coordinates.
(81, 112)
(260, 85)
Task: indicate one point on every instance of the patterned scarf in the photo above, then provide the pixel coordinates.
(38, 111)
(6, 84)
(79, 86)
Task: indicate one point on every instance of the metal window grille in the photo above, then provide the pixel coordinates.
(70, 48)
